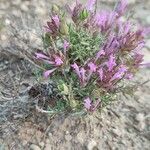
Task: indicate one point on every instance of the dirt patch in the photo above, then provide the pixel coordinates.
(123, 125)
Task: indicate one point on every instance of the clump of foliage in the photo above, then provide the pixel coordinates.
(90, 55)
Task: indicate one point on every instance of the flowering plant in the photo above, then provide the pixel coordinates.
(91, 55)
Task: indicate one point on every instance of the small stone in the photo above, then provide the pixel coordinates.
(141, 126)
(24, 142)
(140, 117)
(3, 37)
(34, 147)
(40, 11)
(41, 144)
(91, 145)
(67, 132)
(116, 131)
(24, 7)
(47, 141)
(50, 134)
(47, 147)
(7, 22)
(68, 137)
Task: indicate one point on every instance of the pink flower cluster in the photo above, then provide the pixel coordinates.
(116, 59)
(55, 60)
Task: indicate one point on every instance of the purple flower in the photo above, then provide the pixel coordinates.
(65, 45)
(82, 74)
(49, 72)
(52, 26)
(47, 29)
(41, 56)
(99, 54)
(56, 20)
(111, 63)
(96, 105)
(101, 73)
(119, 74)
(76, 68)
(123, 28)
(92, 67)
(129, 76)
(121, 7)
(111, 45)
(138, 58)
(105, 20)
(58, 61)
(145, 64)
(87, 103)
(90, 4)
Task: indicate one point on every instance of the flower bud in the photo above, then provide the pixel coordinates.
(84, 14)
(55, 9)
(64, 28)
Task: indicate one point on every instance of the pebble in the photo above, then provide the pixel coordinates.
(34, 147)
(91, 145)
(24, 7)
(47, 141)
(116, 131)
(41, 144)
(68, 137)
(3, 37)
(140, 117)
(24, 142)
(50, 134)
(7, 21)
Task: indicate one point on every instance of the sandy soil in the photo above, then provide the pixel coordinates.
(125, 125)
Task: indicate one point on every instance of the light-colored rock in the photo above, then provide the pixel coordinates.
(68, 137)
(47, 141)
(24, 6)
(91, 145)
(41, 144)
(116, 131)
(140, 117)
(24, 142)
(50, 134)
(7, 21)
(34, 147)
(3, 37)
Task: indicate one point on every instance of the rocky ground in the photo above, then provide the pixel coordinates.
(125, 125)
